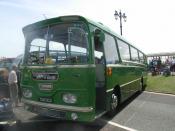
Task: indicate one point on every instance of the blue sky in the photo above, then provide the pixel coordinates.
(150, 24)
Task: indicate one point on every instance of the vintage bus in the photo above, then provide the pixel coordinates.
(77, 69)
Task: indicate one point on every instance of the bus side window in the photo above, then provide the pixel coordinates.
(134, 54)
(110, 49)
(141, 57)
(124, 50)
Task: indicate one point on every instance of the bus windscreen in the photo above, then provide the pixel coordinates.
(59, 44)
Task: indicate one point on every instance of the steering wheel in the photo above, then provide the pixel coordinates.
(33, 58)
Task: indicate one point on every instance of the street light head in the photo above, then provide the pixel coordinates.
(121, 16)
(124, 17)
(116, 15)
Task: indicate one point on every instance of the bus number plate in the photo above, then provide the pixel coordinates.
(45, 99)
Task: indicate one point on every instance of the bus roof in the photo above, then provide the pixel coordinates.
(55, 20)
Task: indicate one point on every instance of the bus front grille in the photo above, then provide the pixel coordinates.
(49, 112)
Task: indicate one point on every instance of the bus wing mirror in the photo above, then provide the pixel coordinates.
(102, 37)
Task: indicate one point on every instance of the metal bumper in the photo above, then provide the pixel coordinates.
(58, 107)
(6, 111)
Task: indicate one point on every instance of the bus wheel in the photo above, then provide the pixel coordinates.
(113, 104)
(141, 86)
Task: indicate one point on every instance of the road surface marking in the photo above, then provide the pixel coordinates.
(118, 125)
(7, 122)
(157, 93)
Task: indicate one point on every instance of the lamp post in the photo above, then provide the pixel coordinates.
(120, 15)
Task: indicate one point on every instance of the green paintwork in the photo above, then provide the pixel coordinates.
(81, 81)
(67, 82)
(81, 86)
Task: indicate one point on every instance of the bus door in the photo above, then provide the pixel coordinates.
(100, 71)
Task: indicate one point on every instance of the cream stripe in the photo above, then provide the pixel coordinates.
(125, 84)
(59, 66)
(125, 61)
(130, 82)
(119, 65)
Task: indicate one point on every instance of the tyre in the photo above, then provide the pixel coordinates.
(141, 88)
(114, 102)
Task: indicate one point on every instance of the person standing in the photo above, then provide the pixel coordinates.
(18, 73)
(4, 90)
(173, 65)
(159, 65)
(13, 86)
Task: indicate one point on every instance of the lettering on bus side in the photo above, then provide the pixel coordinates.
(44, 76)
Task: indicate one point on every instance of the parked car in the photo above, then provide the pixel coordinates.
(6, 110)
(166, 71)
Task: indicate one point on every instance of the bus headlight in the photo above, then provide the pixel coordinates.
(27, 93)
(74, 116)
(69, 98)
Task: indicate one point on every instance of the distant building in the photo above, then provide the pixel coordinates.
(163, 55)
(6, 62)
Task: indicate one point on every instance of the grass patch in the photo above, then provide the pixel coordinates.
(161, 84)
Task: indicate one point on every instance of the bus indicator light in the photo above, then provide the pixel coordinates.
(109, 71)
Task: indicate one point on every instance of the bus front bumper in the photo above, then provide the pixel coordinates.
(59, 111)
